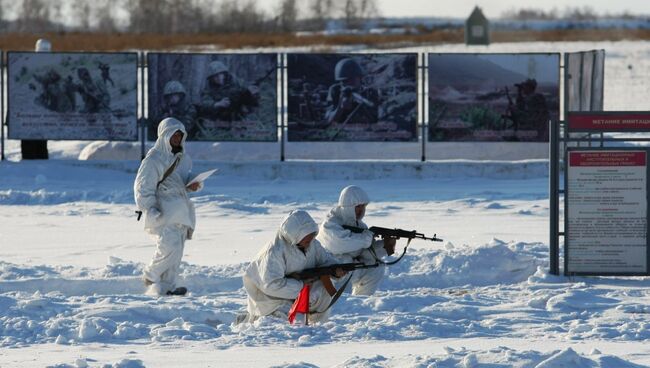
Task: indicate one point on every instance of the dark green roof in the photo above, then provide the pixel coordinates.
(477, 16)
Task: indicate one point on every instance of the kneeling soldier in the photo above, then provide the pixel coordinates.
(271, 290)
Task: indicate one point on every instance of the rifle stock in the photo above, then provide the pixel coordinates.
(317, 272)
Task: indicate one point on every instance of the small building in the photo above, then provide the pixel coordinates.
(477, 28)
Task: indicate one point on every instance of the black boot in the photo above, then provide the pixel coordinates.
(178, 291)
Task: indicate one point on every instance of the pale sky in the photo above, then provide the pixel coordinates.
(491, 8)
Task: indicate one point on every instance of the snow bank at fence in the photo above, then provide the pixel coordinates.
(269, 151)
(65, 181)
(372, 170)
(42, 172)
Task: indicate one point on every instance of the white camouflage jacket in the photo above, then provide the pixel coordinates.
(167, 203)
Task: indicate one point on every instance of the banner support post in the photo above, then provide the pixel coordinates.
(3, 94)
(143, 125)
(554, 205)
(423, 119)
(283, 68)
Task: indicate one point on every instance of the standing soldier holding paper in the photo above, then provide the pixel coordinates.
(161, 192)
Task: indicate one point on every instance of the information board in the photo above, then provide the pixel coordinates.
(606, 212)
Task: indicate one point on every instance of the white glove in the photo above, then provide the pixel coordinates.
(154, 213)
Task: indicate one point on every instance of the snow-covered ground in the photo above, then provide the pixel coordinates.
(72, 254)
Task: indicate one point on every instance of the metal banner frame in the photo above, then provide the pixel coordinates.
(559, 139)
(282, 65)
(142, 121)
(558, 135)
(2, 105)
(424, 118)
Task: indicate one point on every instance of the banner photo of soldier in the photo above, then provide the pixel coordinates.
(493, 97)
(353, 97)
(72, 96)
(219, 97)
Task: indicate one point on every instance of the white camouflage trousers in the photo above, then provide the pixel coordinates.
(366, 281)
(165, 265)
(319, 300)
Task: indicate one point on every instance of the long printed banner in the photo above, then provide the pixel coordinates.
(66, 96)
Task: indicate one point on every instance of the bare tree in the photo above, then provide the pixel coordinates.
(368, 9)
(83, 12)
(586, 13)
(56, 13)
(251, 18)
(287, 15)
(350, 13)
(320, 11)
(530, 14)
(105, 20)
(232, 16)
(148, 16)
(354, 11)
(34, 16)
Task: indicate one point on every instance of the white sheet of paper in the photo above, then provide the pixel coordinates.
(202, 176)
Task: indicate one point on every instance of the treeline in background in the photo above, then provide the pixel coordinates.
(209, 25)
(179, 16)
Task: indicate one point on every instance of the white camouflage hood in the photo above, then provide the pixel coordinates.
(296, 226)
(351, 196)
(166, 129)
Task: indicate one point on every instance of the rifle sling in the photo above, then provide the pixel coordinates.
(169, 171)
(327, 283)
(165, 175)
(372, 251)
(339, 292)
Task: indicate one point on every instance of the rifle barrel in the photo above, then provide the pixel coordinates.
(328, 270)
(397, 233)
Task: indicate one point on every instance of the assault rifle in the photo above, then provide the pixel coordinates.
(385, 232)
(317, 272)
(325, 273)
